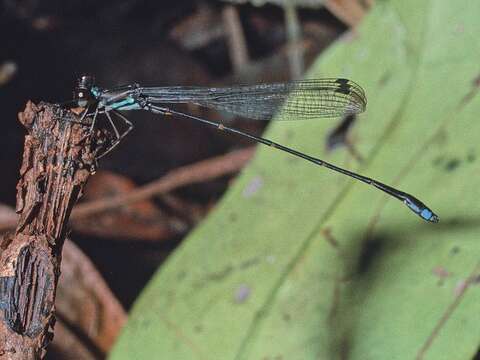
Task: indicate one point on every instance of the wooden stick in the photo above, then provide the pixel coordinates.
(58, 159)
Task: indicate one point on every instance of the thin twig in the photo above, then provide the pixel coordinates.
(237, 44)
(190, 174)
(472, 279)
(348, 11)
(294, 34)
(186, 175)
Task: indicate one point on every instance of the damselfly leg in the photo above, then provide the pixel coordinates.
(118, 135)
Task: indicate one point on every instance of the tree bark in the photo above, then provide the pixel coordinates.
(58, 158)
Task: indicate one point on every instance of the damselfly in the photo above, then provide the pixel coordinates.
(304, 99)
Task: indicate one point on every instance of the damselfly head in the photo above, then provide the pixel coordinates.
(83, 89)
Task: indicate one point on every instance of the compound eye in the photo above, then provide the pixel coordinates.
(82, 94)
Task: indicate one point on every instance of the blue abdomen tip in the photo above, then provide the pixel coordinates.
(428, 215)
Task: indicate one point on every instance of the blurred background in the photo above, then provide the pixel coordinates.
(180, 42)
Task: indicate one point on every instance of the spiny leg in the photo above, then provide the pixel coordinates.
(118, 136)
(126, 121)
(92, 125)
(94, 121)
(110, 120)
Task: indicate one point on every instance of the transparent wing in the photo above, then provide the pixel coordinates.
(305, 99)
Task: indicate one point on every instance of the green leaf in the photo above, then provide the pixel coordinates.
(297, 262)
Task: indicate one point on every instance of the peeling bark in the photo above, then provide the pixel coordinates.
(58, 158)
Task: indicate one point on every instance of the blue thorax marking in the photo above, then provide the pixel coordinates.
(124, 104)
(95, 91)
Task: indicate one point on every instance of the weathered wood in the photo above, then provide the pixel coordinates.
(58, 158)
